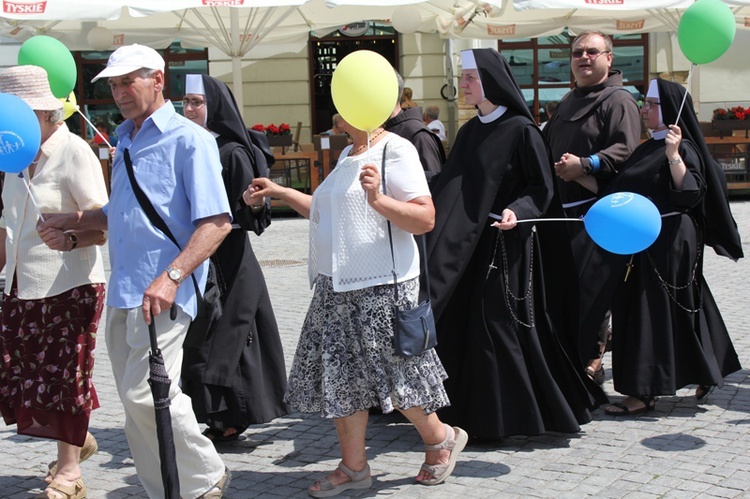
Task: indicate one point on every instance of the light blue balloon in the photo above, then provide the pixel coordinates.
(20, 135)
(623, 223)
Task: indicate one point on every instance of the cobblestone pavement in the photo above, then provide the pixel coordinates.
(682, 450)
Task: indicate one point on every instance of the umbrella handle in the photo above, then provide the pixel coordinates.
(152, 337)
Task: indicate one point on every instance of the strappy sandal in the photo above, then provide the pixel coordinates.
(90, 446)
(597, 376)
(56, 490)
(218, 436)
(455, 441)
(218, 490)
(702, 391)
(359, 480)
(608, 344)
(649, 404)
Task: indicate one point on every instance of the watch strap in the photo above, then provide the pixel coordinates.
(170, 270)
(73, 240)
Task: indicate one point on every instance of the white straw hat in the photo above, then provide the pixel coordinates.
(30, 84)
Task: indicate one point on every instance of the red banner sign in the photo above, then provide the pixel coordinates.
(24, 7)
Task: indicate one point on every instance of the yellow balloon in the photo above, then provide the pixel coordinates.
(364, 89)
(69, 105)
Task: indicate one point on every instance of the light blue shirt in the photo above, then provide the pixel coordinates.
(176, 164)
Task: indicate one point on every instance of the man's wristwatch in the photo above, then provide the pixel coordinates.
(73, 241)
(175, 274)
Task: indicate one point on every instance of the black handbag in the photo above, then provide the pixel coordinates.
(209, 308)
(414, 329)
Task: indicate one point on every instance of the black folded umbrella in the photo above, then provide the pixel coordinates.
(159, 381)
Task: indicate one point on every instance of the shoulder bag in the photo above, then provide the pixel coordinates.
(209, 308)
(414, 329)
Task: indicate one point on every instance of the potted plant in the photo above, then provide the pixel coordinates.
(278, 136)
(729, 119)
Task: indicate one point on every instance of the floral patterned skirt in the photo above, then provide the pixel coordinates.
(345, 361)
(46, 385)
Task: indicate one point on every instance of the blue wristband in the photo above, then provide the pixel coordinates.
(594, 162)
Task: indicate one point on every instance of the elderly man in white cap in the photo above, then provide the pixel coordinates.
(176, 164)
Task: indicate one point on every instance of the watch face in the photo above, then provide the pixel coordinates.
(175, 274)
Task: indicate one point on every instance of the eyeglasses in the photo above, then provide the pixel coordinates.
(591, 53)
(194, 103)
(648, 104)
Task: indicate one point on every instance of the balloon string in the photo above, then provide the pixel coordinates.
(367, 154)
(78, 110)
(684, 97)
(38, 210)
(550, 220)
(33, 200)
(545, 220)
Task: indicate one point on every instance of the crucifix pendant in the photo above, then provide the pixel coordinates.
(630, 266)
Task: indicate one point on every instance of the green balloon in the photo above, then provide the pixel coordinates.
(706, 31)
(50, 53)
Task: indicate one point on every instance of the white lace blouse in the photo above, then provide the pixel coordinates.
(349, 239)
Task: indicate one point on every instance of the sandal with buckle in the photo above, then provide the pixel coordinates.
(90, 446)
(649, 404)
(57, 490)
(359, 480)
(455, 441)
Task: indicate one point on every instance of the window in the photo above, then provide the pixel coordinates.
(541, 66)
(95, 99)
(326, 52)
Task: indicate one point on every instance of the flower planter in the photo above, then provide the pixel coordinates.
(279, 140)
(724, 126)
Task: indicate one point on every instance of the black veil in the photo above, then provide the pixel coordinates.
(721, 229)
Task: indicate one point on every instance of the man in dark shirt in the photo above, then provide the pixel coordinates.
(408, 124)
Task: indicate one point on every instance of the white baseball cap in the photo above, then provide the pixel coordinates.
(131, 58)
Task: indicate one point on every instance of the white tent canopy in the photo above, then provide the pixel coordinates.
(641, 16)
(233, 26)
(237, 26)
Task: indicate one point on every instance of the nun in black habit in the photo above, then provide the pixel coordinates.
(667, 329)
(499, 318)
(238, 376)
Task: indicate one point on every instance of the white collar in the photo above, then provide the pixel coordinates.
(489, 118)
(659, 134)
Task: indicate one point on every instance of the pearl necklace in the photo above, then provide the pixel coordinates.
(357, 150)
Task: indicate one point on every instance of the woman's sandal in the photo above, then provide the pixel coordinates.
(90, 446)
(455, 441)
(597, 376)
(608, 344)
(216, 435)
(56, 490)
(649, 404)
(359, 480)
(702, 391)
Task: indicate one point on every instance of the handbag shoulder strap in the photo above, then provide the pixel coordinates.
(423, 265)
(153, 216)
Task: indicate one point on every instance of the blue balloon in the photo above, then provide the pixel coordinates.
(20, 135)
(623, 223)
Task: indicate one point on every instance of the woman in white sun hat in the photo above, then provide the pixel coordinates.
(54, 290)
